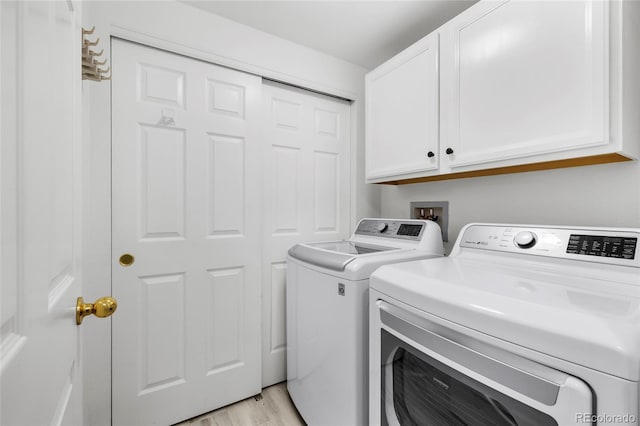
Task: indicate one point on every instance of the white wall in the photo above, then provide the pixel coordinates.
(602, 195)
(182, 29)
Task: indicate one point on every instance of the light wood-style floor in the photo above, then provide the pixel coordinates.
(273, 407)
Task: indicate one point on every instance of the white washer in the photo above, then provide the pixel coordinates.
(526, 325)
(327, 314)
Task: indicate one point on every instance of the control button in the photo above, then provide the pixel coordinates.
(381, 227)
(525, 239)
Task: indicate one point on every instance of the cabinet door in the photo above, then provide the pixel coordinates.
(402, 113)
(522, 78)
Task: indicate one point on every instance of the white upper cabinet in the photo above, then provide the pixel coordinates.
(524, 85)
(402, 128)
(524, 78)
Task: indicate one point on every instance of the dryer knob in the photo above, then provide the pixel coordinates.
(525, 239)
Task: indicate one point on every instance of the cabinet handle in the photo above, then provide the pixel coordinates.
(430, 154)
(449, 151)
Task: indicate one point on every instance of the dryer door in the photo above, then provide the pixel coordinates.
(432, 376)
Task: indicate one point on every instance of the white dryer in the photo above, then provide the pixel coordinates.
(520, 325)
(327, 314)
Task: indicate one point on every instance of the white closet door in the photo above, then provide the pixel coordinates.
(306, 195)
(186, 191)
(41, 215)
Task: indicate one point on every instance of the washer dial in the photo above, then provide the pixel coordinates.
(381, 227)
(525, 239)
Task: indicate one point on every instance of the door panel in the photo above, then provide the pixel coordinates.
(40, 357)
(162, 358)
(226, 185)
(306, 196)
(186, 175)
(162, 178)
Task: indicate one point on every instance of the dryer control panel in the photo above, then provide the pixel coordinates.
(617, 246)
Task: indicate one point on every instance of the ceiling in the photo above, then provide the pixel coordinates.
(362, 32)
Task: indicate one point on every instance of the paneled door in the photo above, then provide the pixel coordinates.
(41, 222)
(186, 235)
(306, 195)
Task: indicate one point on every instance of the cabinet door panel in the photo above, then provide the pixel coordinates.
(522, 78)
(402, 112)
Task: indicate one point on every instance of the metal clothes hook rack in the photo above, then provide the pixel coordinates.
(90, 65)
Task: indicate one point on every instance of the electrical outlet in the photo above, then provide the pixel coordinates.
(438, 211)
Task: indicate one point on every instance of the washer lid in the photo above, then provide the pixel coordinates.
(334, 255)
(585, 315)
(349, 247)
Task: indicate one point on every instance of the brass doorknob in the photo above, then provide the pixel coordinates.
(127, 259)
(102, 308)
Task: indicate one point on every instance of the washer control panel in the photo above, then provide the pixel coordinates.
(618, 247)
(615, 246)
(405, 230)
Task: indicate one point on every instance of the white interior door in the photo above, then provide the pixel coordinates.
(186, 194)
(306, 196)
(40, 358)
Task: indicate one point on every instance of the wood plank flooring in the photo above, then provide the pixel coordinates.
(274, 408)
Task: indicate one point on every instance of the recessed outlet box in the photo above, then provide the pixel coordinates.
(438, 211)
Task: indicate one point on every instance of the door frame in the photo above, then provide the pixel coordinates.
(128, 22)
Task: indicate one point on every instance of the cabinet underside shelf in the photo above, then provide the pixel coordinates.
(546, 165)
